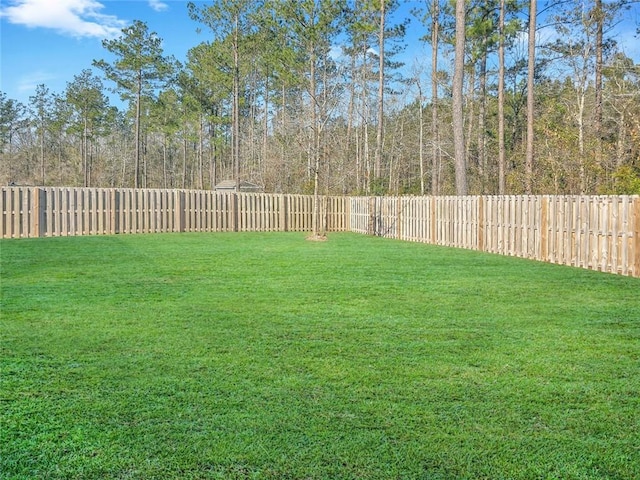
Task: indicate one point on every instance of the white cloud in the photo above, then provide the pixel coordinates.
(158, 5)
(76, 18)
(336, 53)
(28, 83)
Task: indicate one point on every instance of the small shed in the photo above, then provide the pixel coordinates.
(230, 186)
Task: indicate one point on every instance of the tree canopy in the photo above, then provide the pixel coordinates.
(310, 97)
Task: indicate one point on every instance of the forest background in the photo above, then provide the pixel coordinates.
(300, 96)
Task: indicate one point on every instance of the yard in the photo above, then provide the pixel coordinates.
(262, 355)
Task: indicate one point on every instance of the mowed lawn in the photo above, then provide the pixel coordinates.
(263, 355)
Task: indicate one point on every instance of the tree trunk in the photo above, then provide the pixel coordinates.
(501, 146)
(124, 162)
(314, 154)
(366, 163)
(145, 176)
(621, 143)
(265, 128)
(236, 107)
(531, 63)
(283, 126)
(60, 175)
(581, 149)
(92, 148)
(599, 14)
(435, 151)
(469, 107)
(136, 175)
(350, 111)
(435, 140)
(458, 119)
(213, 157)
(42, 155)
(164, 160)
(184, 157)
(421, 136)
(482, 114)
(380, 127)
(85, 157)
(201, 151)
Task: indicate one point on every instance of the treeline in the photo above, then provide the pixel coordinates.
(309, 95)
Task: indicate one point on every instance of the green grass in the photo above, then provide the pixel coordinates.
(267, 356)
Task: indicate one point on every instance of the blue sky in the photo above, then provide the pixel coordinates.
(50, 41)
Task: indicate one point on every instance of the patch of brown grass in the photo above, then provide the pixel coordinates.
(317, 238)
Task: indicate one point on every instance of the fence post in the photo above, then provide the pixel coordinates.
(399, 205)
(236, 213)
(544, 229)
(636, 237)
(481, 223)
(113, 214)
(32, 210)
(434, 220)
(324, 215)
(180, 212)
(283, 213)
(38, 206)
(372, 216)
(4, 211)
(347, 209)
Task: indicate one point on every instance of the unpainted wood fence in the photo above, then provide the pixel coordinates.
(52, 211)
(594, 232)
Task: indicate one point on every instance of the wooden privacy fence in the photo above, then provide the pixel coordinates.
(52, 211)
(594, 232)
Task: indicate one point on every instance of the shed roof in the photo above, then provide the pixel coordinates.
(230, 185)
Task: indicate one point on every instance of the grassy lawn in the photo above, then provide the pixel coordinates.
(257, 356)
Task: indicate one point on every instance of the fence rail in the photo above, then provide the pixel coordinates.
(594, 232)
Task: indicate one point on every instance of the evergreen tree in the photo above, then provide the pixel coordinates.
(139, 69)
(41, 105)
(85, 95)
(232, 22)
